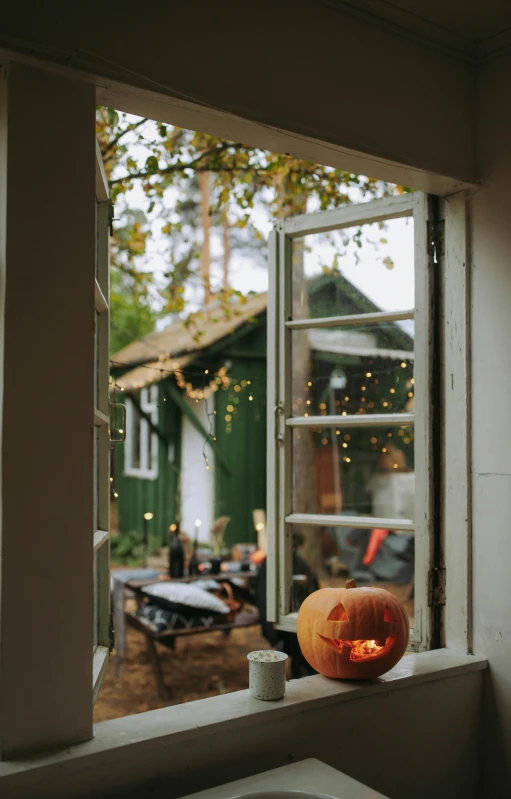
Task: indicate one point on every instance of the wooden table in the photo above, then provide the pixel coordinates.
(168, 637)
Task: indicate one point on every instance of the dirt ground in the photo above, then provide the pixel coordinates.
(199, 666)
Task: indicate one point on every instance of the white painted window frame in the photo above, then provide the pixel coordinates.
(101, 499)
(148, 398)
(281, 421)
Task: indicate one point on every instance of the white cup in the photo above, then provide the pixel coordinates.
(267, 674)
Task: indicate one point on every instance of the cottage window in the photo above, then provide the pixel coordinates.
(141, 450)
(349, 444)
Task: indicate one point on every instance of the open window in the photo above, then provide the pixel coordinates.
(350, 426)
(101, 639)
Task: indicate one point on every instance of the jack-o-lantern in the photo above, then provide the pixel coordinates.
(352, 633)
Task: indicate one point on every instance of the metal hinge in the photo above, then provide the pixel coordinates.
(436, 237)
(436, 587)
(111, 633)
(111, 217)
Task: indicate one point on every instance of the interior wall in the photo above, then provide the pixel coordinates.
(421, 741)
(491, 417)
(305, 67)
(47, 278)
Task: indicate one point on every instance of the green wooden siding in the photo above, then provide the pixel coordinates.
(243, 437)
(160, 496)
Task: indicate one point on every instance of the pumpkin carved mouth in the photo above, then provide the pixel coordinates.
(362, 650)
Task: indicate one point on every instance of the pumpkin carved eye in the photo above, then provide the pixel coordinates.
(389, 616)
(338, 614)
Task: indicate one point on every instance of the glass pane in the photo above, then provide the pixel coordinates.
(353, 370)
(95, 502)
(365, 471)
(96, 599)
(96, 358)
(358, 270)
(328, 556)
(153, 451)
(134, 434)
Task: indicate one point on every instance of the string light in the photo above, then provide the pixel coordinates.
(348, 460)
(412, 381)
(384, 449)
(227, 417)
(392, 390)
(345, 445)
(309, 383)
(403, 365)
(337, 432)
(410, 394)
(250, 398)
(369, 374)
(230, 408)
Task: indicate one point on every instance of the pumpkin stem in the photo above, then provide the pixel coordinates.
(351, 584)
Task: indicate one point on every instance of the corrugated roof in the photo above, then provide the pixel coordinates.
(160, 354)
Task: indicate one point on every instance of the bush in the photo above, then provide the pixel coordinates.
(127, 549)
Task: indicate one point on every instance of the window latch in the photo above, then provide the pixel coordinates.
(279, 412)
(436, 587)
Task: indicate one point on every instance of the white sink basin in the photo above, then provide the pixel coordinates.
(308, 779)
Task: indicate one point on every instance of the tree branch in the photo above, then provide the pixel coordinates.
(119, 136)
(177, 167)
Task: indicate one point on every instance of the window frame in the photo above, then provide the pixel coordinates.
(149, 403)
(281, 422)
(101, 466)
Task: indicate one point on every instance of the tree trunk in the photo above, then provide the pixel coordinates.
(205, 255)
(226, 249)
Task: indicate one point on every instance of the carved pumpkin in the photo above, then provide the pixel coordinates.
(352, 633)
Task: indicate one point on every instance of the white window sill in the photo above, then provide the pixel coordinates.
(161, 729)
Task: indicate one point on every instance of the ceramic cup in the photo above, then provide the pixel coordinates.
(267, 674)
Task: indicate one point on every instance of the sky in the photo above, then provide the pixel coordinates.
(390, 289)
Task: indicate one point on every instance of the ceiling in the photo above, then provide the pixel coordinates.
(473, 27)
(476, 20)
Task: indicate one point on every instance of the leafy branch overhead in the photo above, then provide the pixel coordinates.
(162, 166)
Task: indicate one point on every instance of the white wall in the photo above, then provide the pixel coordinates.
(197, 482)
(491, 416)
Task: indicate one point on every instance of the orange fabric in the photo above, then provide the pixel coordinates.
(378, 536)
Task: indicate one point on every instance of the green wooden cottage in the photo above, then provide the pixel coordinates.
(195, 396)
